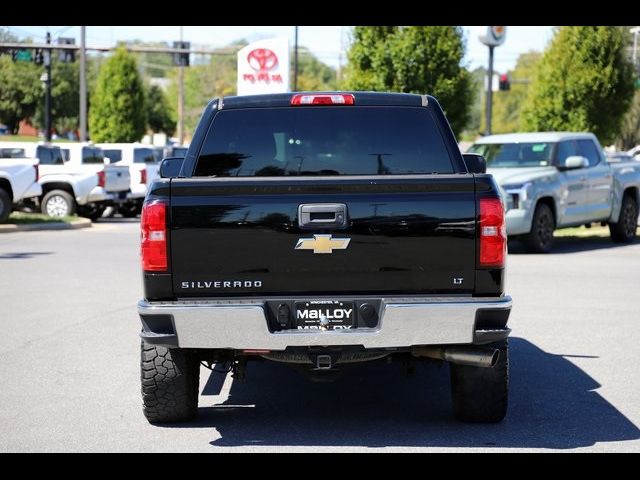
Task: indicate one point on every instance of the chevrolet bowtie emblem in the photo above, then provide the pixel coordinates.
(322, 244)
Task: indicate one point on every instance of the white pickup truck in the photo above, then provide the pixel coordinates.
(142, 161)
(18, 180)
(87, 157)
(555, 180)
(66, 188)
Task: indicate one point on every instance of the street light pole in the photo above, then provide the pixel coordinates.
(489, 93)
(47, 92)
(83, 85)
(181, 97)
(295, 62)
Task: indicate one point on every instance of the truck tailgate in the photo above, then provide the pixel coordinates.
(238, 236)
(118, 178)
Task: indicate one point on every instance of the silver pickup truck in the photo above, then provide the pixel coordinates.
(556, 180)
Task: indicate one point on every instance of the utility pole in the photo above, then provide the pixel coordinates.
(489, 93)
(83, 85)
(181, 98)
(47, 92)
(295, 61)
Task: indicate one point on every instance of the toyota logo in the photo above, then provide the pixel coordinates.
(262, 59)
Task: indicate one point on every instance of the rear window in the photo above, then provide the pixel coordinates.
(323, 141)
(143, 155)
(114, 155)
(92, 155)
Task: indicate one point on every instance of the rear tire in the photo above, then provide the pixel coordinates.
(6, 205)
(624, 230)
(540, 238)
(170, 379)
(481, 395)
(58, 203)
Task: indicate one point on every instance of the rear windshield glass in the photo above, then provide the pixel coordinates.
(114, 155)
(143, 155)
(323, 141)
(92, 155)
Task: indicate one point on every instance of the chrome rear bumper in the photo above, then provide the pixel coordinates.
(242, 324)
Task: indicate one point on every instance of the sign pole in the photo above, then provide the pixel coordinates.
(489, 92)
(83, 85)
(47, 93)
(494, 37)
(181, 97)
(295, 62)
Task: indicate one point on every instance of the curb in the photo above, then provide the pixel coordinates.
(75, 225)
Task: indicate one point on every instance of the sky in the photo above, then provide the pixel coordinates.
(329, 44)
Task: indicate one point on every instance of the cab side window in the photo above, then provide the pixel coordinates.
(48, 156)
(587, 149)
(565, 150)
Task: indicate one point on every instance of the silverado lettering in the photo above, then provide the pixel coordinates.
(277, 186)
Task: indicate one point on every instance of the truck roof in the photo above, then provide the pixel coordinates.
(361, 98)
(534, 137)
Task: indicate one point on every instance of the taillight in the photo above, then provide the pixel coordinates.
(143, 175)
(493, 234)
(326, 99)
(102, 178)
(37, 172)
(154, 236)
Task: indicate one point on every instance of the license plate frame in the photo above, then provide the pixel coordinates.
(325, 315)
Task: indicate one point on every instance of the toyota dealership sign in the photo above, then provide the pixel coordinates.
(263, 67)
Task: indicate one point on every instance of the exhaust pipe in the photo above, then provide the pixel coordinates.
(472, 356)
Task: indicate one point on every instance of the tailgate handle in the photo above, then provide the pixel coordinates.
(322, 215)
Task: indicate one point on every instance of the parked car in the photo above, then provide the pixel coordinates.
(615, 157)
(320, 231)
(560, 179)
(142, 161)
(90, 158)
(177, 151)
(66, 188)
(635, 152)
(18, 181)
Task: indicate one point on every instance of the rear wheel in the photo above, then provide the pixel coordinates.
(58, 203)
(540, 238)
(624, 231)
(5, 205)
(170, 378)
(481, 394)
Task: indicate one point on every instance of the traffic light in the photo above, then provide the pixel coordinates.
(504, 83)
(181, 59)
(67, 56)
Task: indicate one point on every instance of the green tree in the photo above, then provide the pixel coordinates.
(65, 103)
(423, 59)
(313, 75)
(159, 111)
(584, 82)
(118, 111)
(630, 132)
(20, 87)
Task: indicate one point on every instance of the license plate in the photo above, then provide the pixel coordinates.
(325, 315)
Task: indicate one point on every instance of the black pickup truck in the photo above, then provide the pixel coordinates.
(321, 230)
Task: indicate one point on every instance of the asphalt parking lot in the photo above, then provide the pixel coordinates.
(69, 364)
